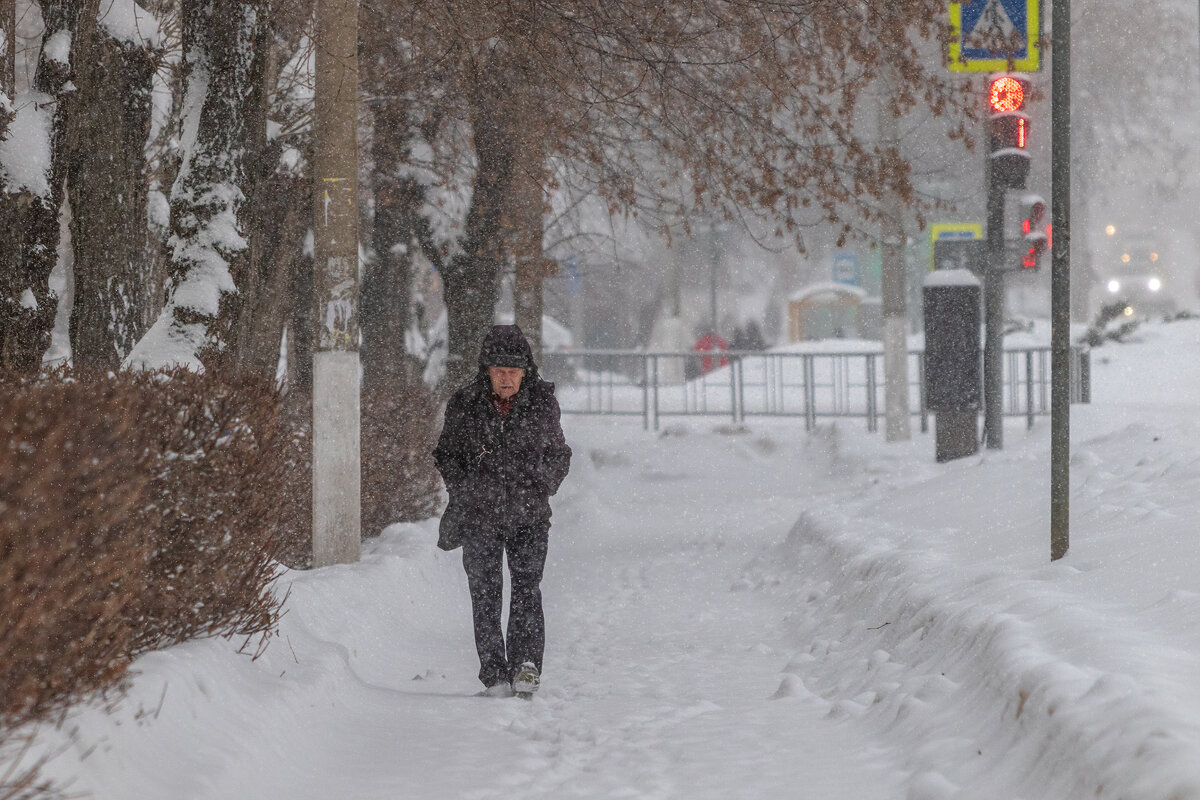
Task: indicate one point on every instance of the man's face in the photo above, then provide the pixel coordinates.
(505, 380)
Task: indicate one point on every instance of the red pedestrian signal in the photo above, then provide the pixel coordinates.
(1036, 242)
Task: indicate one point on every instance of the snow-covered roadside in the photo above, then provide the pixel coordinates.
(930, 594)
(742, 613)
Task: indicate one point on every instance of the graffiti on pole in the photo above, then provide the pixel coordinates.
(339, 328)
(336, 261)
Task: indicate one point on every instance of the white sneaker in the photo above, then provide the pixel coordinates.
(497, 690)
(527, 679)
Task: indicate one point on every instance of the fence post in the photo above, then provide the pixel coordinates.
(654, 364)
(733, 389)
(645, 391)
(773, 366)
(741, 391)
(921, 393)
(1085, 375)
(1029, 390)
(588, 384)
(810, 393)
(872, 423)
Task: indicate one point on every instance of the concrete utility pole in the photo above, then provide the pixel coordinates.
(336, 466)
(1060, 285)
(894, 284)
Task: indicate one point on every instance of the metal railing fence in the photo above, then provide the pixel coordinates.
(741, 384)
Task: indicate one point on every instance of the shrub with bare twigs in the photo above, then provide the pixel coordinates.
(400, 482)
(136, 511)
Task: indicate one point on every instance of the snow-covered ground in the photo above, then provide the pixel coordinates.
(741, 613)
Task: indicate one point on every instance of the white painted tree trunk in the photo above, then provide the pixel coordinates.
(895, 285)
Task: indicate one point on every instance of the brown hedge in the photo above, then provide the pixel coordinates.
(140, 510)
(136, 511)
(400, 482)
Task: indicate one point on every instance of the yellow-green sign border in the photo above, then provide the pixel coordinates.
(1027, 64)
(938, 228)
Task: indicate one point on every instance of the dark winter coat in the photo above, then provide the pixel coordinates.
(500, 471)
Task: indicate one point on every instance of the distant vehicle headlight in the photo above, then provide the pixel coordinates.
(1154, 284)
(1114, 286)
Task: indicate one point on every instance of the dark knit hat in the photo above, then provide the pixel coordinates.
(505, 346)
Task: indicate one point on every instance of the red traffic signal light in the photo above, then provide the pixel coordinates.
(1006, 93)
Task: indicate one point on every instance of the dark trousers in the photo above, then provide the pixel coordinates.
(483, 558)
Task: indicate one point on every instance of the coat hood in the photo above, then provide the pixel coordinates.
(506, 346)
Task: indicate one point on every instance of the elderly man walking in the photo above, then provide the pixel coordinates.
(502, 454)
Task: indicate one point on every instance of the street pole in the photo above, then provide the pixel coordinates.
(1060, 284)
(893, 283)
(993, 320)
(336, 465)
(714, 241)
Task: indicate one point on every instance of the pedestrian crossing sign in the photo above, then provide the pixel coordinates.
(994, 36)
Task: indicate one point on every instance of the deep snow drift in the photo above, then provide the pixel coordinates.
(742, 613)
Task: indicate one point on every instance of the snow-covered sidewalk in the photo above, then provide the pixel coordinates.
(663, 672)
(742, 613)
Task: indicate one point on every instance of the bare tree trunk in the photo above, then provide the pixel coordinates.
(8, 32)
(472, 278)
(532, 266)
(108, 189)
(29, 240)
(387, 284)
(277, 207)
(300, 324)
(895, 276)
(224, 59)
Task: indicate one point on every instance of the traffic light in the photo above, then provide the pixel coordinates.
(1008, 131)
(1033, 234)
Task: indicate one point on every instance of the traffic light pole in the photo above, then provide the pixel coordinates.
(1060, 286)
(993, 321)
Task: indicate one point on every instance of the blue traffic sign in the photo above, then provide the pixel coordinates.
(845, 268)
